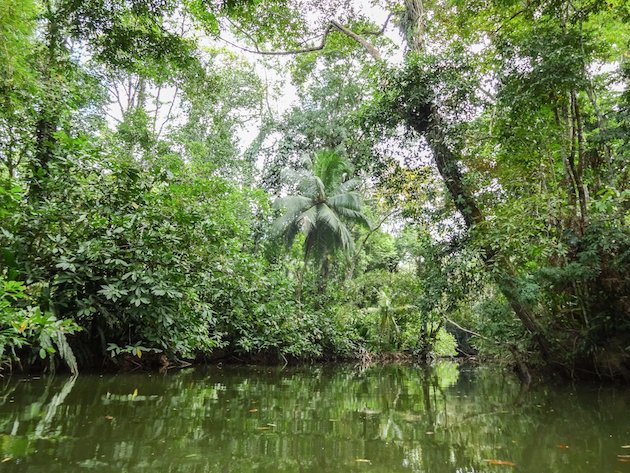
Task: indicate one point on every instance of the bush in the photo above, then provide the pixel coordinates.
(24, 326)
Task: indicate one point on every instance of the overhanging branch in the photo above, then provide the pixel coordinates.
(381, 31)
(372, 51)
(334, 24)
(289, 52)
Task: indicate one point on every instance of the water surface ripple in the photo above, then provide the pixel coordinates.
(447, 418)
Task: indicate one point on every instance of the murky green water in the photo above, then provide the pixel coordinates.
(311, 419)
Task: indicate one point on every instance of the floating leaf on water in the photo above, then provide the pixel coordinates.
(333, 420)
(500, 462)
(625, 446)
(430, 433)
(109, 418)
(272, 425)
(562, 445)
(7, 459)
(362, 460)
(263, 427)
(253, 410)
(624, 456)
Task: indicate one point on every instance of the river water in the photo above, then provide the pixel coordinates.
(447, 418)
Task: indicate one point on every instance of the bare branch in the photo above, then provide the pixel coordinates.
(368, 47)
(157, 107)
(114, 90)
(456, 325)
(130, 96)
(117, 120)
(520, 12)
(168, 115)
(372, 51)
(318, 47)
(382, 30)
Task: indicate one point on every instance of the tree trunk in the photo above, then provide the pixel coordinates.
(300, 282)
(48, 120)
(430, 124)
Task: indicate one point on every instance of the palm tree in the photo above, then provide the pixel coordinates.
(325, 199)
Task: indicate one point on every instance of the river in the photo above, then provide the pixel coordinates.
(322, 418)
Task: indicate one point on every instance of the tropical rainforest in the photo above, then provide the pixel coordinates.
(285, 180)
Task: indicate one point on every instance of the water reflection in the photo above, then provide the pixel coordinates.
(319, 419)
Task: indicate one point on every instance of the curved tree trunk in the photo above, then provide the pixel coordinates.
(426, 120)
(505, 275)
(430, 124)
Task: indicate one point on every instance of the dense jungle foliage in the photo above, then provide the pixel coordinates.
(292, 180)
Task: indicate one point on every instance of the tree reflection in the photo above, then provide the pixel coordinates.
(444, 418)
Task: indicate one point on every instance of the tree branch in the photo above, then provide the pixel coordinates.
(117, 120)
(456, 325)
(114, 90)
(382, 30)
(364, 241)
(372, 51)
(290, 52)
(157, 107)
(168, 115)
(520, 12)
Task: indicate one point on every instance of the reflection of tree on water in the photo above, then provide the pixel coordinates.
(43, 426)
(36, 422)
(404, 407)
(312, 419)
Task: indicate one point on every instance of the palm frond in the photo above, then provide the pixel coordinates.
(308, 220)
(293, 203)
(349, 185)
(313, 187)
(292, 176)
(330, 219)
(354, 215)
(290, 232)
(349, 206)
(349, 200)
(330, 167)
(283, 223)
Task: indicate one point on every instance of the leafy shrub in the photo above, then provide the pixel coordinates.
(25, 325)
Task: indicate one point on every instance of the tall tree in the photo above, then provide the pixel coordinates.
(325, 199)
(503, 92)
